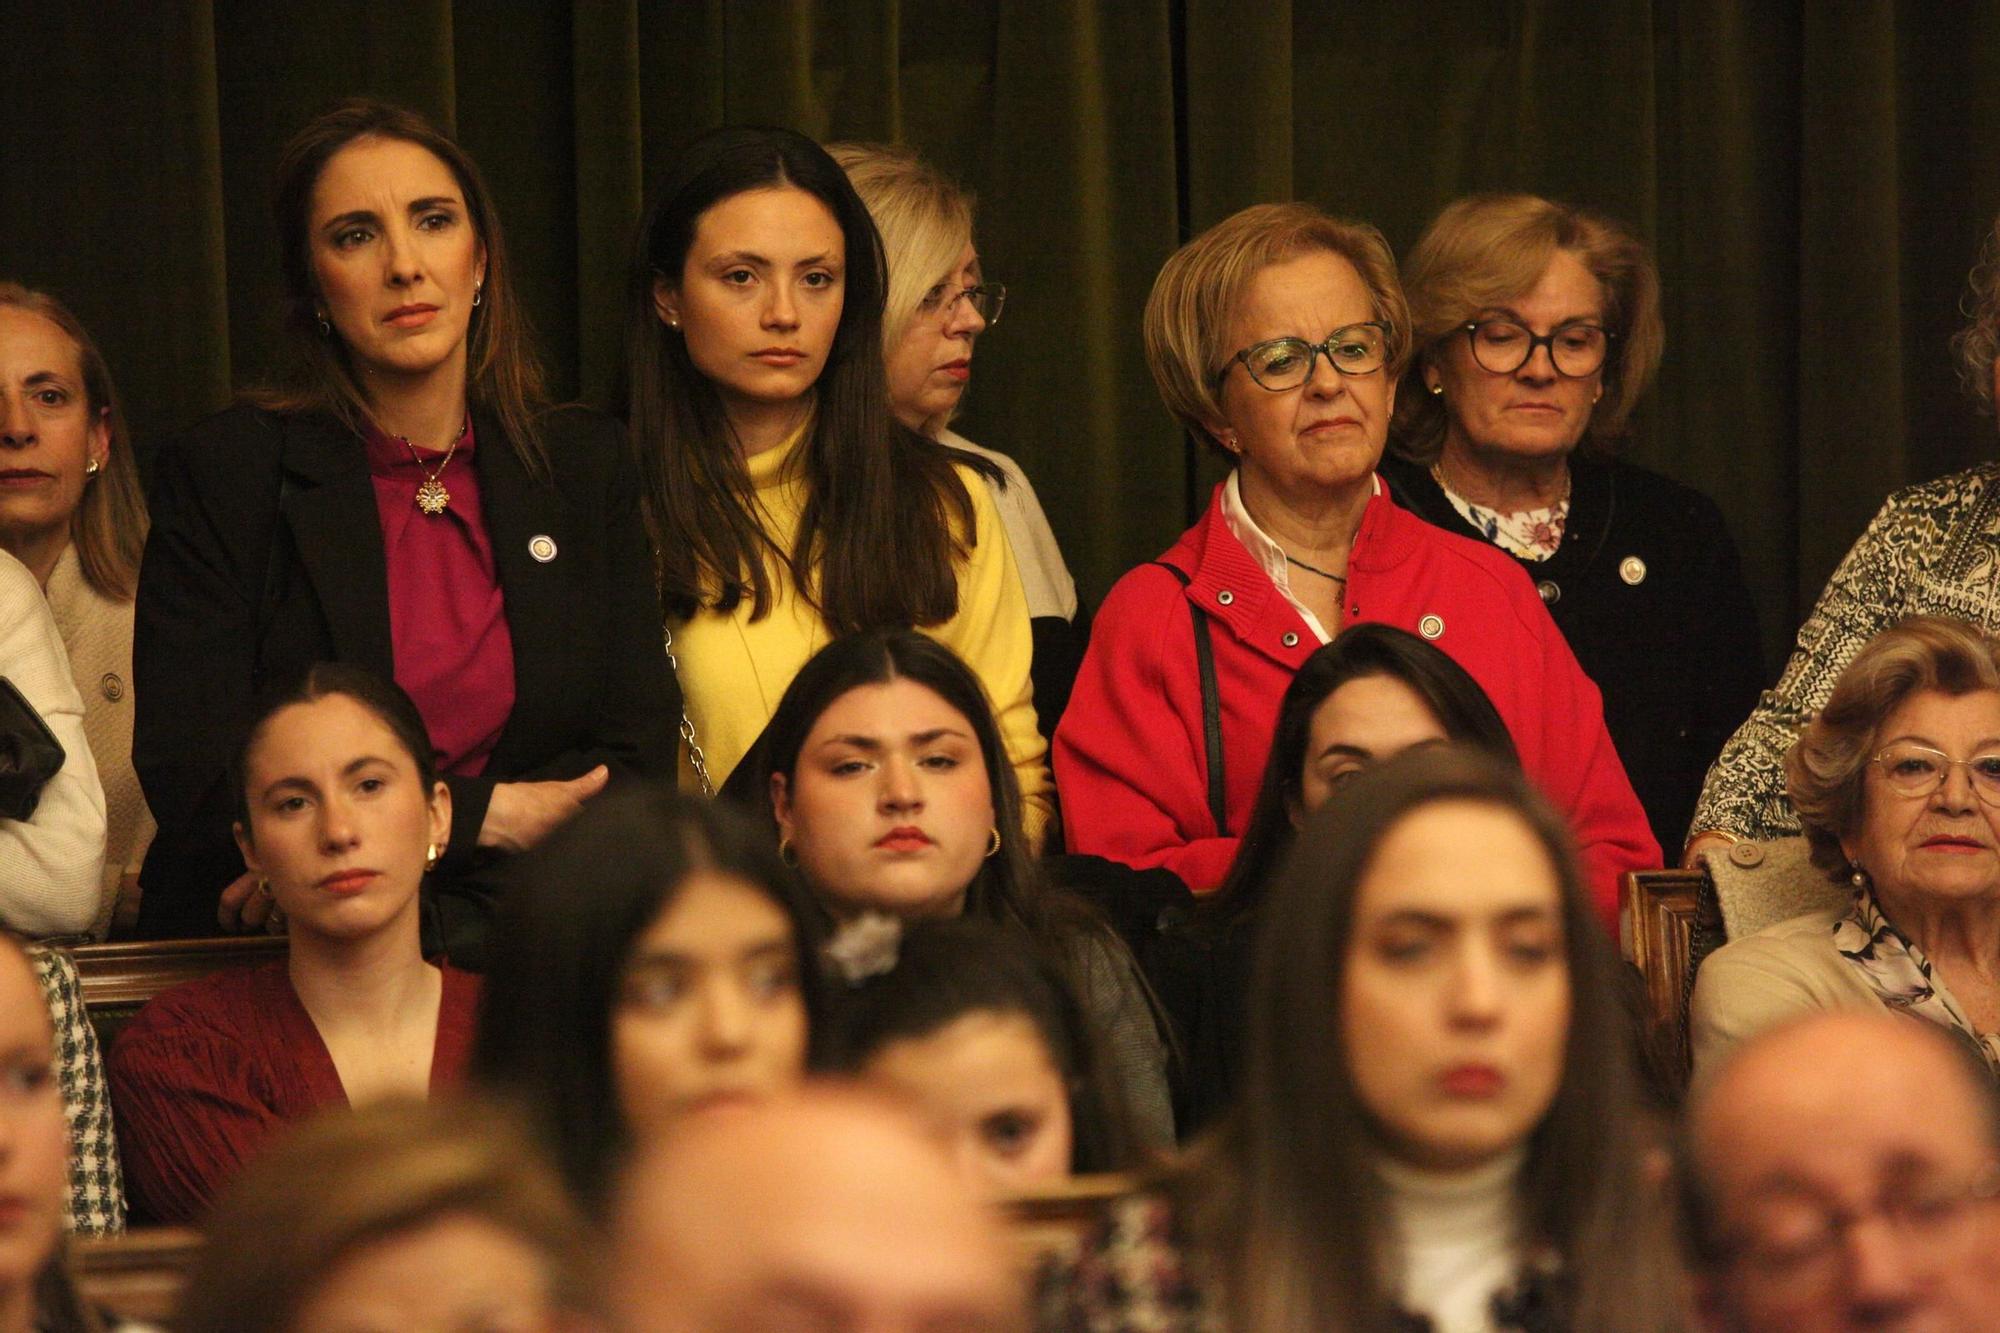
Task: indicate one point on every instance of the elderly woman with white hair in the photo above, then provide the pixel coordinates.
(939, 303)
(1897, 783)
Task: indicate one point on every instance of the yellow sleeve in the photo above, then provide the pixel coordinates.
(990, 632)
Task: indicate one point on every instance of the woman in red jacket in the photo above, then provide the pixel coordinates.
(1278, 336)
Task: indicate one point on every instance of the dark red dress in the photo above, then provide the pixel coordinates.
(209, 1069)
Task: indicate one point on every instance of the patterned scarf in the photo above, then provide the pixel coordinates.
(1897, 970)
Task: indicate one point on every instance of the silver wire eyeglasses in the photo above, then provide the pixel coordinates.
(987, 298)
(1502, 346)
(1919, 770)
(1279, 364)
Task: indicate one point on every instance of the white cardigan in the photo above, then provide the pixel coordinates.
(50, 865)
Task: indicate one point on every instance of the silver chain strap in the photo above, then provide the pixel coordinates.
(695, 756)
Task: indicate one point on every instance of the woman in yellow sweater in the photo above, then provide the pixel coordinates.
(787, 505)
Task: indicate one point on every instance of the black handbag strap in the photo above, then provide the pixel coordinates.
(1211, 707)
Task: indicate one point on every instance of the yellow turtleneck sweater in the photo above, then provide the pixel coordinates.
(733, 670)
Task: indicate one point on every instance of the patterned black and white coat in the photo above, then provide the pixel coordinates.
(1933, 550)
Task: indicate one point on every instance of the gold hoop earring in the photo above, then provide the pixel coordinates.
(431, 854)
(787, 853)
(476, 293)
(1437, 390)
(90, 469)
(993, 844)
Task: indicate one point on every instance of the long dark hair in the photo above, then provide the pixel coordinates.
(1008, 887)
(886, 516)
(946, 970)
(1357, 652)
(1287, 1198)
(502, 373)
(565, 930)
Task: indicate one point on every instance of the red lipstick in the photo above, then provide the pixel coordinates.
(905, 839)
(1472, 1081)
(346, 883)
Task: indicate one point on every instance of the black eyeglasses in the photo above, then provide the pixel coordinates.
(1798, 1243)
(1502, 346)
(987, 298)
(1279, 364)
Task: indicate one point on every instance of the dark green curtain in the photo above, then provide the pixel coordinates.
(1814, 178)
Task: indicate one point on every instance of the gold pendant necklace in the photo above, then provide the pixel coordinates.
(432, 497)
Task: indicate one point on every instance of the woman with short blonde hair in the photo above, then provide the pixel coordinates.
(1537, 333)
(939, 303)
(1277, 336)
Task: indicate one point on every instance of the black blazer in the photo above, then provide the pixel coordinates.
(1648, 590)
(266, 556)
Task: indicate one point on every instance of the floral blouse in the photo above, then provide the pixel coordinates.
(1531, 534)
(1898, 972)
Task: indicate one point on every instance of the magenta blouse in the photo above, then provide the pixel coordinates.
(447, 615)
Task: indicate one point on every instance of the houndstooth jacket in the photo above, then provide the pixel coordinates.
(96, 1184)
(1933, 550)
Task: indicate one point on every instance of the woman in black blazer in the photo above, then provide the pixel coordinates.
(407, 505)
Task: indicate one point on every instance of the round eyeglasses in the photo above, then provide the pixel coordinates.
(987, 298)
(1919, 770)
(1285, 363)
(1501, 346)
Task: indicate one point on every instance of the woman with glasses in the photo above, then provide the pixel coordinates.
(787, 504)
(1930, 551)
(1277, 336)
(1537, 329)
(1897, 782)
(939, 303)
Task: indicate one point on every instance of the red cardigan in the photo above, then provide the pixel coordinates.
(1129, 754)
(210, 1069)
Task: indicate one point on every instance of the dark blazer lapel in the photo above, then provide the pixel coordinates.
(519, 509)
(329, 504)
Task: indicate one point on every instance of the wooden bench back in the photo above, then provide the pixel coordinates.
(138, 1276)
(1672, 922)
(118, 979)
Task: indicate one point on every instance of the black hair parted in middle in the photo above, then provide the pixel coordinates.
(1008, 886)
(574, 908)
(1359, 652)
(887, 517)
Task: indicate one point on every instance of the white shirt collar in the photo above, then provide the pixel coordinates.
(1270, 556)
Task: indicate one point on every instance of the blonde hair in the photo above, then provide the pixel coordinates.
(1826, 767)
(108, 525)
(1975, 346)
(1199, 287)
(345, 1179)
(925, 220)
(1488, 249)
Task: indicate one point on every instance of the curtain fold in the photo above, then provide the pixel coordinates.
(1815, 179)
